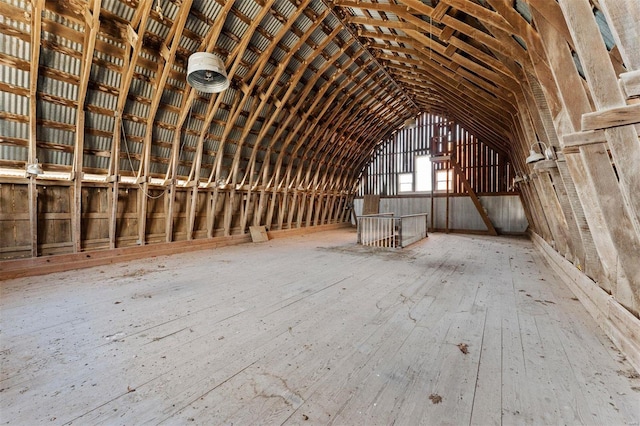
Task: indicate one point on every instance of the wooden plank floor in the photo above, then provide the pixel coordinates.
(312, 330)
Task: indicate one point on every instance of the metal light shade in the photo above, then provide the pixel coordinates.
(410, 123)
(206, 73)
(534, 157)
(34, 169)
(549, 153)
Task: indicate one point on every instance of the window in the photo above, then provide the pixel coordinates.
(442, 176)
(405, 182)
(423, 173)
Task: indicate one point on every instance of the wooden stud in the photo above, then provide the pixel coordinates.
(92, 13)
(131, 55)
(37, 7)
(163, 71)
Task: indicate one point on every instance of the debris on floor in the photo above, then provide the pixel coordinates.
(435, 398)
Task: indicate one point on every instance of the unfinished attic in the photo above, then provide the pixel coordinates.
(146, 146)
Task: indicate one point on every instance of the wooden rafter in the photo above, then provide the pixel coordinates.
(131, 55)
(164, 68)
(92, 16)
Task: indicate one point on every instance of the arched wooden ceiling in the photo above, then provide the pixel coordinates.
(315, 84)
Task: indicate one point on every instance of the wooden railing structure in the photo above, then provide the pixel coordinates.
(387, 230)
(412, 228)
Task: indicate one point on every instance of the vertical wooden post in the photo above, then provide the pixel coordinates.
(93, 22)
(446, 220)
(76, 188)
(292, 207)
(279, 198)
(211, 216)
(433, 185)
(37, 7)
(301, 205)
(162, 74)
(228, 211)
(131, 54)
(261, 202)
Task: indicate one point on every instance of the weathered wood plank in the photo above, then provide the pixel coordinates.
(622, 18)
(578, 139)
(612, 117)
(601, 78)
(166, 340)
(630, 82)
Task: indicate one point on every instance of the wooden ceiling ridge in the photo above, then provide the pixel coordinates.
(474, 94)
(340, 14)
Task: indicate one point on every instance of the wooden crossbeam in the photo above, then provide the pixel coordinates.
(612, 117)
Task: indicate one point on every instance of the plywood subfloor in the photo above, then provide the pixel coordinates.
(312, 330)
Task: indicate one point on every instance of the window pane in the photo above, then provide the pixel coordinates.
(405, 182)
(441, 179)
(423, 173)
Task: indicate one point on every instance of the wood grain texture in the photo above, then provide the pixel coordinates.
(312, 329)
(613, 117)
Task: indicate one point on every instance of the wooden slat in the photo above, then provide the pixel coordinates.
(630, 82)
(583, 138)
(613, 117)
(622, 19)
(606, 95)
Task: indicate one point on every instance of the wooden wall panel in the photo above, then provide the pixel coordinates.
(485, 168)
(95, 218)
(236, 199)
(218, 214)
(180, 215)
(200, 224)
(127, 217)
(291, 209)
(156, 218)
(14, 221)
(54, 219)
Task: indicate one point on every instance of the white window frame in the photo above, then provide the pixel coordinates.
(429, 174)
(449, 173)
(401, 183)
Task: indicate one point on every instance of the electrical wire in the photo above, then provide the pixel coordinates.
(126, 147)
